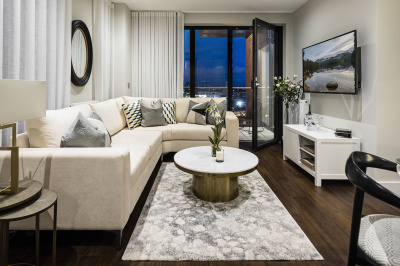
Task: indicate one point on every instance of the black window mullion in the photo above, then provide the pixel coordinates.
(192, 63)
(230, 77)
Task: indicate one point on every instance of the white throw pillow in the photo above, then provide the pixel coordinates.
(46, 132)
(110, 113)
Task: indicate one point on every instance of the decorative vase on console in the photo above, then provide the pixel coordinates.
(290, 92)
(217, 129)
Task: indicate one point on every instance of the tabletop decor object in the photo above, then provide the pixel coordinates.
(20, 100)
(220, 156)
(289, 91)
(217, 129)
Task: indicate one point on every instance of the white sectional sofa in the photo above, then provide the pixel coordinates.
(99, 187)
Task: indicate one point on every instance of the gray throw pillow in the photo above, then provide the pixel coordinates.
(96, 120)
(82, 133)
(197, 113)
(221, 107)
(152, 115)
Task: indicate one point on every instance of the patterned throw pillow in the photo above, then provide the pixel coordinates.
(197, 113)
(169, 111)
(133, 114)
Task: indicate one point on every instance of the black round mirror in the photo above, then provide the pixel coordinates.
(81, 53)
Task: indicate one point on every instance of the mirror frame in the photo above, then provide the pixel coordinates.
(81, 81)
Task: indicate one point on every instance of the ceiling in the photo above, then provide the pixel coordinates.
(216, 6)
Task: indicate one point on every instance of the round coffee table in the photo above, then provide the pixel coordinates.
(213, 181)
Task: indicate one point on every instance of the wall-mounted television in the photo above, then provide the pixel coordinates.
(331, 66)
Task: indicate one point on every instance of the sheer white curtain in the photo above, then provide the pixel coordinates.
(157, 58)
(35, 37)
(103, 50)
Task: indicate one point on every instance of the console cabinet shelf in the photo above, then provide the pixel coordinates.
(319, 153)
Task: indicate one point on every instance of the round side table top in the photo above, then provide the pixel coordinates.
(198, 161)
(28, 189)
(45, 201)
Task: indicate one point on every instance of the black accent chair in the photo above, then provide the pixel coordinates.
(374, 239)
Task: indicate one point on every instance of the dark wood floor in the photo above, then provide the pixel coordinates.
(323, 213)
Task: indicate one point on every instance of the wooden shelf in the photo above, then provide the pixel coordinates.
(310, 148)
(306, 151)
(309, 162)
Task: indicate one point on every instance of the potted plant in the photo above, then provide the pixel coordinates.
(289, 90)
(217, 129)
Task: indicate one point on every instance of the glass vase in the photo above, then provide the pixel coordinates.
(292, 113)
(214, 150)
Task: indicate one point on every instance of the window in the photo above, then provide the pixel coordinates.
(220, 58)
(186, 73)
(211, 63)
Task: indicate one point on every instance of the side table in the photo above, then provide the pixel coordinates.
(42, 201)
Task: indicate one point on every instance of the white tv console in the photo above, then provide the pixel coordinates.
(319, 153)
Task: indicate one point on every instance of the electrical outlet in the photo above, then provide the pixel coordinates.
(129, 85)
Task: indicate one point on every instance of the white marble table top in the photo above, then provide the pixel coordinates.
(198, 159)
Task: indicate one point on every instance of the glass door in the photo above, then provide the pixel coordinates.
(265, 67)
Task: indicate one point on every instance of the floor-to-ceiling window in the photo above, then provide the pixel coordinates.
(218, 63)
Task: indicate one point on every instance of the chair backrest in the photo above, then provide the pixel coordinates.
(356, 168)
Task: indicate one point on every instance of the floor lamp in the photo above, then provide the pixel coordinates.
(19, 100)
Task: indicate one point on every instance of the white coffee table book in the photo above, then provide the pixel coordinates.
(320, 153)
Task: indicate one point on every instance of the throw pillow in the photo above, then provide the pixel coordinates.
(169, 111)
(133, 114)
(221, 107)
(82, 133)
(152, 116)
(197, 113)
(96, 121)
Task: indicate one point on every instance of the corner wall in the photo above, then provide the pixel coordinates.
(122, 50)
(83, 10)
(319, 20)
(388, 91)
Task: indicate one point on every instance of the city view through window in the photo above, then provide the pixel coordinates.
(211, 66)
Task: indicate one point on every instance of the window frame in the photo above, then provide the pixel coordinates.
(229, 49)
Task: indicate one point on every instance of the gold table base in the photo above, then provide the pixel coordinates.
(214, 188)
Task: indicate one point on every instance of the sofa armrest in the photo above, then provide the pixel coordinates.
(232, 129)
(91, 183)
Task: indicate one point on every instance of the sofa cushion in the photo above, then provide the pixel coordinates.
(183, 131)
(181, 109)
(95, 120)
(169, 111)
(82, 133)
(46, 132)
(152, 115)
(133, 114)
(197, 113)
(131, 138)
(111, 113)
(221, 107)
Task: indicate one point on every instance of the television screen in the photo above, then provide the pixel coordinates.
(330, 66)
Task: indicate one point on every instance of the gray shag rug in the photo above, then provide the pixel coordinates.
(175, 225)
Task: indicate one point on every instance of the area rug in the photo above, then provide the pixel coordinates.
(175, 225)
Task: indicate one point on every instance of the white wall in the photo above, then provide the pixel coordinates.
(83, 10)
(372, 114)
(388, 92)
(246, 19)
(319, 20)
(122, 50)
